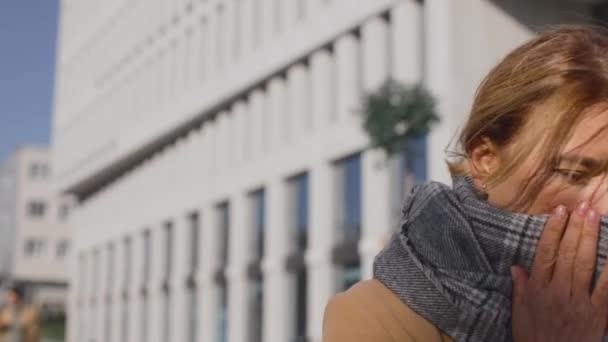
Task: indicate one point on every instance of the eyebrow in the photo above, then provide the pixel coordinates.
(588, 162)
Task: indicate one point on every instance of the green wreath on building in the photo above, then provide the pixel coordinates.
(395, 113)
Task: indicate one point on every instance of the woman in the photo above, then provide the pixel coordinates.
(529, 188)
(18, 321)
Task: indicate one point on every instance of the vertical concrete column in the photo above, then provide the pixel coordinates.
(240, 253)
(289, 10)
(322, 282)
(212, 44)
(267, 21)
(298, 99)
(221, 149)
(375, 171)
(407, 41)
(438, 79)
(277, 113)
(74, 298)
(201, 42)
(187, 66)
(348, 75)
(223, 31)
(247, 28)
(279, 298)
(257, 118)
(239, 131)
(321, 90)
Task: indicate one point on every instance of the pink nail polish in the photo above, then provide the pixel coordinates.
(582, 208)
(559, 211)
(593, 217)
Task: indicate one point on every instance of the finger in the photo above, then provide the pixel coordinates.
(567, 249)
(546, 252)
(584, 264)
(520, 278)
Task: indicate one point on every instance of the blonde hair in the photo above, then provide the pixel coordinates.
(533, 99)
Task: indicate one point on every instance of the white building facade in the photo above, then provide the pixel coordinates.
(225, 188)
(34, 233)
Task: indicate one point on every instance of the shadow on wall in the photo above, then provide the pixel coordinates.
(539, 14)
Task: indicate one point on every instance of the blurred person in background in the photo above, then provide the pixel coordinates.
(19, 321)
(510, 251)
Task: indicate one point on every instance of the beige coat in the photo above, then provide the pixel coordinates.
(29, 318)
(370, 312)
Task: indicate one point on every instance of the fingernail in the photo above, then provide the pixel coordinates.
(592, 217)
(560, 211)
(582, 208)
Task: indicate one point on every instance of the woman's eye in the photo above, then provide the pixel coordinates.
(573, 176)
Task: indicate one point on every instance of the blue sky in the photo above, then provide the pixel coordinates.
(28, 31)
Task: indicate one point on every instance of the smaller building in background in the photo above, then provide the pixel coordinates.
(34, 237)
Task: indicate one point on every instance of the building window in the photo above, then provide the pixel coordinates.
(194, 237)
(38, 170)
(301, 304)
(63, 212)
(62, 249)
(224, 232)
(36, 209)
(256, 287)
(192, 310)
(168, 249)
(298, 189)
(125, 289)
(351, 274)
(222, 315)
(127, 264)
(299, 195)
(351, 198)
(223, 212)
(167, 276)
(257, 199)
(192, 315)
(35, 247)
(147, 257)
(412, 166)
(109, 288)
(95, 305)
(349, 220)
(147, 251)
(256, 310)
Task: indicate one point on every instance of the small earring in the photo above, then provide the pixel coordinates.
(483, 195)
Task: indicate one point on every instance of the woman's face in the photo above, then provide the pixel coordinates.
(581, 174)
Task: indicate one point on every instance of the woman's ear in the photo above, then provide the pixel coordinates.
(483, 160)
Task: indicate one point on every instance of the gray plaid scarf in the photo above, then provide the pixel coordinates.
(451, 260)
